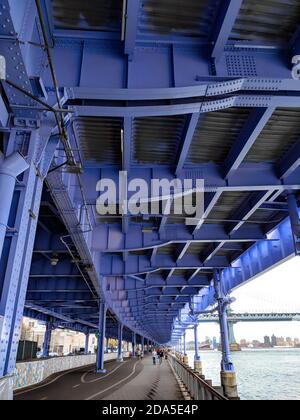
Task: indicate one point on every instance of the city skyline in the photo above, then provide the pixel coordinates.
(264, 294)
(268, 342)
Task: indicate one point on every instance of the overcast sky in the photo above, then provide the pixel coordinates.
(277, 290)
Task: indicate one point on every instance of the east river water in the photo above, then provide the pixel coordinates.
(262, 374)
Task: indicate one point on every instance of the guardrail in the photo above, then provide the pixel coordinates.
(199, 389)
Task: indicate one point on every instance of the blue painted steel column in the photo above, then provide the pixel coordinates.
(87, 339)
(185, 356)
(101, 338)
(143, 346)
(197, 355)
(184, 344)
(15, 270)
(223, 302)
(228, 376)
(295, 221)
(10, 168)
(197, 358)
(120, 342)
(133, 344)
(47, 339)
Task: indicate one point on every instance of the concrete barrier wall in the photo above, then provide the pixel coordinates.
(6, 388)
(31, 373)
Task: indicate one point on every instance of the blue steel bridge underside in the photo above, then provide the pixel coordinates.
(191, 97)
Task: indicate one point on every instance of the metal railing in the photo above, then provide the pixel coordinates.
(197, 387)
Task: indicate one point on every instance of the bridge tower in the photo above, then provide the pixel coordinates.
(234, 346)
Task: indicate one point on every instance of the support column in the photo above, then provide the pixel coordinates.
(15, 267)
(185, 356)
(197, 359)
(86, 347)
(120, 342)
(134, 345)
(47, 339)
(180, 348)
(295, 221)
(10, 168)
(143, 346)
(101, 338)
(228, 375)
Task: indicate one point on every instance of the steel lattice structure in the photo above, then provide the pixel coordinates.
(161, 89)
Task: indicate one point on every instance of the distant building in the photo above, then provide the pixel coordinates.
(208, 341)
(63, 342)
(273, 341)
(267, 342)
(256, 344)
(244, 343)
(215, 343)
(281, 342)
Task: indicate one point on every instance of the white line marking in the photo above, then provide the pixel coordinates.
(116, 384)
(44, 399)
(83, 381)
(76, 386)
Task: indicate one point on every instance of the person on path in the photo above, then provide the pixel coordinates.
(154, 356)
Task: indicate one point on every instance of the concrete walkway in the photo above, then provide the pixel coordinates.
(153, 383)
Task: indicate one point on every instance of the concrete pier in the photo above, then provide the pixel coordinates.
(229, 385)
(198, 367)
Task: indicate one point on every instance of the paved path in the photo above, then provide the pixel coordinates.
(153, 383)
(130, 380)
(83, 383)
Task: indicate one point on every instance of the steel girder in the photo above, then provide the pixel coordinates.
(253, 317)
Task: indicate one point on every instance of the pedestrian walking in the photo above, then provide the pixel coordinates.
(154, 356)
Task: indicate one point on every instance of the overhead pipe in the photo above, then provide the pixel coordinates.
(10, 168)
